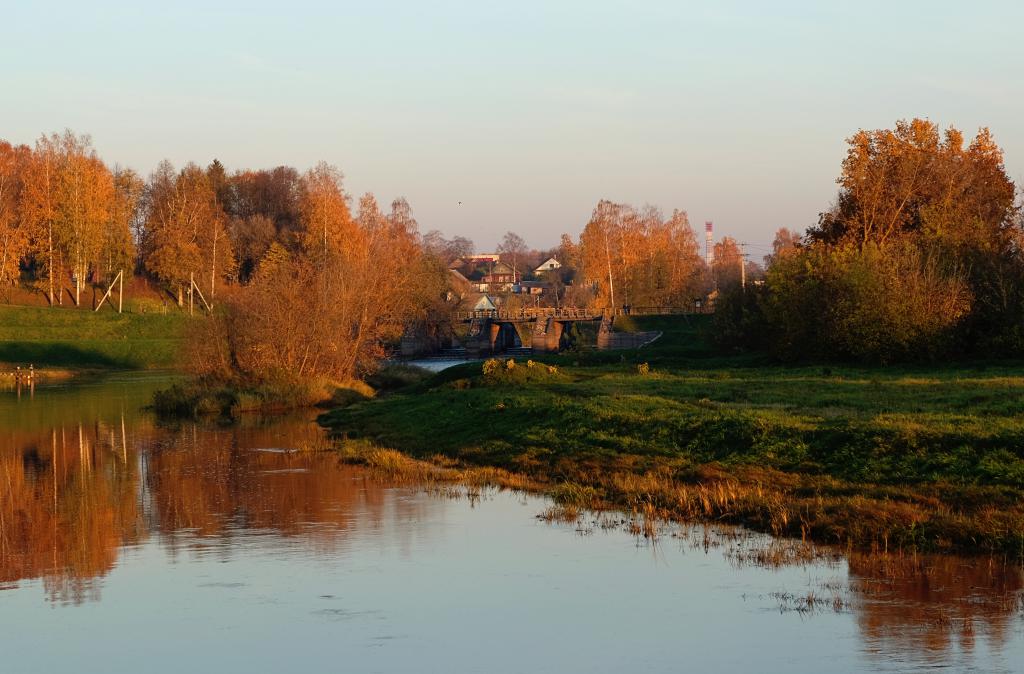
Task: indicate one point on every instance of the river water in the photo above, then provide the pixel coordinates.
(128, 545)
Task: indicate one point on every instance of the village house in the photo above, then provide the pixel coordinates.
(548, 265)
(488, 274)
(501, 277)
(485, 303)
(530, 287)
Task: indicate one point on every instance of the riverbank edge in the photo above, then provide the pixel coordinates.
(863, 517)
(228, 399)
(925, 516)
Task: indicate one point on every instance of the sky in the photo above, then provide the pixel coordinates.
(497, 116)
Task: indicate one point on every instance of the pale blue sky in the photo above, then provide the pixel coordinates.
(527, 112)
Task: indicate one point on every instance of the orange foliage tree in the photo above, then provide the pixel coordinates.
(637, 257)
(327, 313)
(323, 208)
(13, 233)
(184, 237)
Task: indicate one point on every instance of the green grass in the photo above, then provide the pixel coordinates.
(78, 338)
(930, 457)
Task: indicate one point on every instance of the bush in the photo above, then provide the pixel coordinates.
(503, 372)
(199, 398)
(870, 304)
(397, 375)
(739, 320)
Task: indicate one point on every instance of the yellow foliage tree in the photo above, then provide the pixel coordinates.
(13, 234)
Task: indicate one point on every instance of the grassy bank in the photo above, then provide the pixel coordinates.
(230, 399)
(196, 398)
(926, 457)
(62, 338)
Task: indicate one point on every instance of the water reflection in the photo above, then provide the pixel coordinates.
(88, 481)
(76, 496)
(68, 504)
(928, 606)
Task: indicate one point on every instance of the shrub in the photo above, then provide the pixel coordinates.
(870, 304)
(739, 320)
(497, 372)
(491, 366)
(397, 375)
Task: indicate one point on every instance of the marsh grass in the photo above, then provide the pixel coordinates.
(202, 398)
(566, 514)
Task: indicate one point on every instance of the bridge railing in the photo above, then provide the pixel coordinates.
(573, 313)
(661, 311)
(529, 314)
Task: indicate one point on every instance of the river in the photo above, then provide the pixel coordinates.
(129, 545)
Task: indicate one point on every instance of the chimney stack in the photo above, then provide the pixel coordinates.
(709, 247)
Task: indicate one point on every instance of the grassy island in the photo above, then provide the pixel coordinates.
(930, 457)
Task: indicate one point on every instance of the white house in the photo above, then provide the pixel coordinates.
(548, 265)
(484, 304)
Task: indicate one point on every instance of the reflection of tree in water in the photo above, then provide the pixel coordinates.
(926, 605)
(68, 501)
(71, 497)
(207, 485)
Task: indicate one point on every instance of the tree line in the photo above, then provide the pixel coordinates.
(920, 257)
(316, 281)
(307, 280)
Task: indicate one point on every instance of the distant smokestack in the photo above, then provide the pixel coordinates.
(709, 248)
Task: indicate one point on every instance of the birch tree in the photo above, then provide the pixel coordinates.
(323, 206)
(185, 236)
(13, 234)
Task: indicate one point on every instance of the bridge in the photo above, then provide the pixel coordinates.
(544, 329)
(530, 314)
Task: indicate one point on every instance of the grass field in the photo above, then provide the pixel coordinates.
(930, 457)
(79, 338)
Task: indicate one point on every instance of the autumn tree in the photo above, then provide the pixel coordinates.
(785, 242)
(668, 266)
(86, 195)
(435, 243)
(327, 223)
(39, 210)
(638, 256)
(330, 313)
(600, 254)
(272, 193)
(67, 200)
(915, 180)
(513, 248)
(918, 258)
(728, 257)
(251, 237)
(220, 183)
(185, 236)
(13, 233)
(126, 219)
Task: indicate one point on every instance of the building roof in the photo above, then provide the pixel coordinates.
(550, 263)
(502, 268)
(485, 303)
